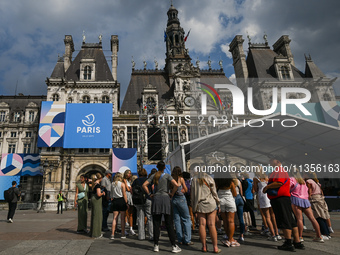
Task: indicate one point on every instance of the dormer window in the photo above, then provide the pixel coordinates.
(86, 100)
(16, 117)
(87, 73)
(105, 100)
(55, 97)
(285, 73)
(31, 116)
(2, 116)
(151, 104)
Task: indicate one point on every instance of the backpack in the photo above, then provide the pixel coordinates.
(9, 195)
(138, 194)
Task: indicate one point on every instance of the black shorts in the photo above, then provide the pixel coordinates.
(283, 211)
(118, 205)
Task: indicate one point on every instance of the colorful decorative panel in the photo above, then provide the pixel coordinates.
(51, 127)
(123, 159)
(13, 166)
(331, 112)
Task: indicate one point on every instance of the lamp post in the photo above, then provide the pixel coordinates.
(43, 171)
(47, 167)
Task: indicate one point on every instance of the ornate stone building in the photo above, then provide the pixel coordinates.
(159, 110)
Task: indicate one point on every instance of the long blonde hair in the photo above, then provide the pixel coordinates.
(118, 178)
(299, 178)
(94, 178)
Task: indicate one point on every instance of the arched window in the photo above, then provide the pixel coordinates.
(55, 97)
(105, 100)
(70, 100)
(87, 73)
(285, 73)
(326, 97)
(86, 100)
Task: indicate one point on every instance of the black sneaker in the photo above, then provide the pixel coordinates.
(299, 246)
(286, 247)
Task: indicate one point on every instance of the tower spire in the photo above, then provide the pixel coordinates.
(175, 40)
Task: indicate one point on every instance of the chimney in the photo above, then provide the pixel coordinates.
(69, 49)
(114, 57)
(281, 46)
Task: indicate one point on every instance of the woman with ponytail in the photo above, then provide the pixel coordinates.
(161, 205)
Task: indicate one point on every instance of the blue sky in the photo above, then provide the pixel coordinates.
(32, 33)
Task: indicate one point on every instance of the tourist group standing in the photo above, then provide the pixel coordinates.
(180, 203)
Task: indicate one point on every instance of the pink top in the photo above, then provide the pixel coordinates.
(298, 190)
(316, 189)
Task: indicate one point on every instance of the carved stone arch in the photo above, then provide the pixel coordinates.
(89, 168)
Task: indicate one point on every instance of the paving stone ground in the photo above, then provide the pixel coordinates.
(50, 233)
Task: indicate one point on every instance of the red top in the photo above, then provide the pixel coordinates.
(280, 175)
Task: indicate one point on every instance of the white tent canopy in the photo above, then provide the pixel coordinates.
(309, 142)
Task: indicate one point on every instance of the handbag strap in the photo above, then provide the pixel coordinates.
(291, 190)
(205, 182)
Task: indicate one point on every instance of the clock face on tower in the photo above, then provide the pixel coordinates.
(189, 101)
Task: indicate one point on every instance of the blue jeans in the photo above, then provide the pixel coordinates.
(181, 215)
(239, 205)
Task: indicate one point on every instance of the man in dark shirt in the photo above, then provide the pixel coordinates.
(12, 205)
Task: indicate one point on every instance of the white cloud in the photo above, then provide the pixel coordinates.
(32, 32)
(232, 78)
(225, 49)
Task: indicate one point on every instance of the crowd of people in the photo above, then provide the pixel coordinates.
(181, 203)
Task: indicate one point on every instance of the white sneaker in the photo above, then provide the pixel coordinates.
(318, 239)
(329, 237)
(325, 238)
(176, 249)
(304, 228)
(131, 232)
(330, 230)
(156, 248)
(272, 238)
(278, 237)
(301, 239)
(10, 220)
(123, 237)
(112, 237)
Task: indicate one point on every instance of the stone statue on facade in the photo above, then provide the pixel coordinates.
(133, 64)
(198, 63)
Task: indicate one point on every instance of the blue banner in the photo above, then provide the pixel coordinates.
(88, 126)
